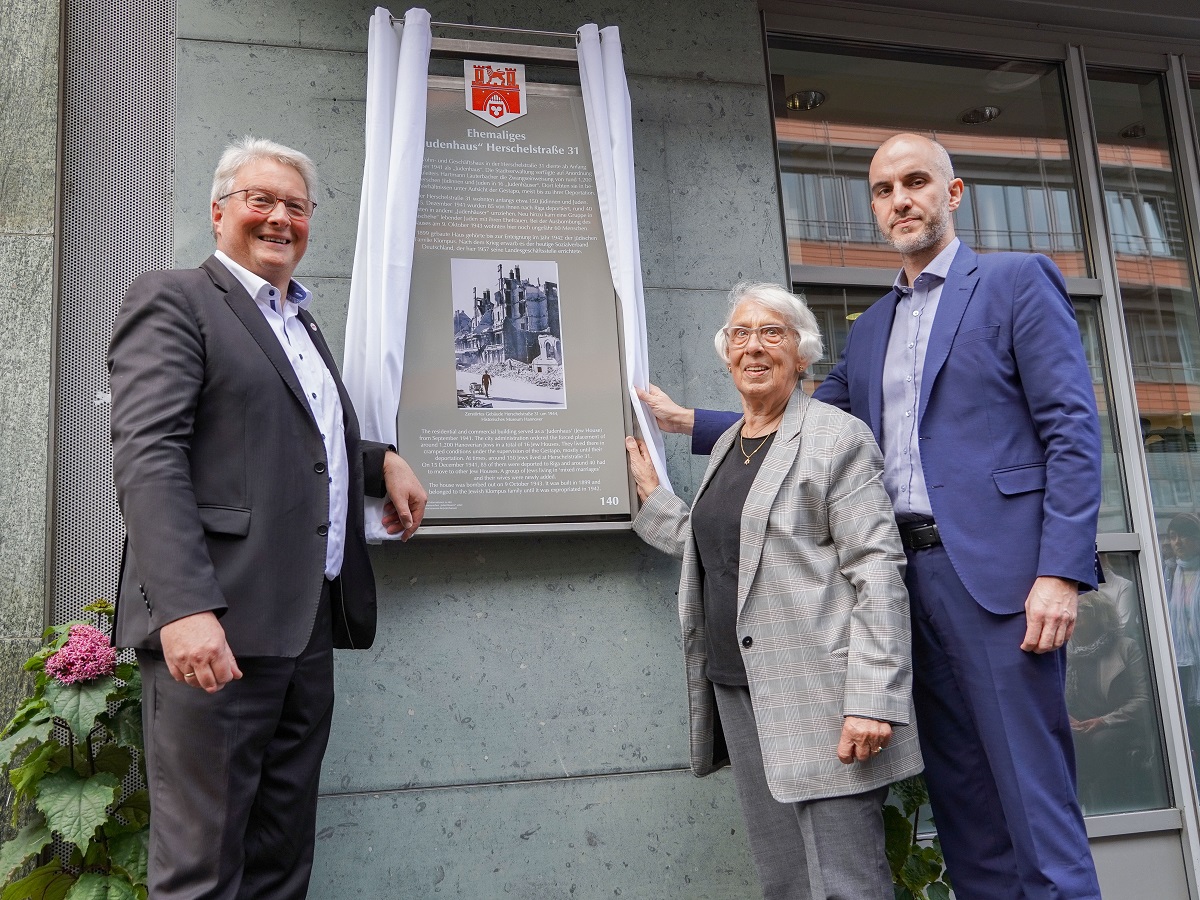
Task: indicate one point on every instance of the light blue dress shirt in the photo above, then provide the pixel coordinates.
(903, 365)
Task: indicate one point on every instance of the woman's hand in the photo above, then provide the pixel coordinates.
(862, 739)
(641, 468)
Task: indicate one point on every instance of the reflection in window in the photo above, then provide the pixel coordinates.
(1155, 273)
(1109, 698)
(1020, 185)
(1146, 225)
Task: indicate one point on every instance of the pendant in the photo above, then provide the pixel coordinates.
(747, 462)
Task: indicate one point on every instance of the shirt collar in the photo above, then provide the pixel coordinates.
(939, 268)
(262, 290)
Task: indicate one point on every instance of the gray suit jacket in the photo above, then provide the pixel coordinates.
(821, 600)
(220, 472)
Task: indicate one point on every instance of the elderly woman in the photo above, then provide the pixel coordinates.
(794, 613)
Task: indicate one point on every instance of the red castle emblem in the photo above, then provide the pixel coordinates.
(495, 91)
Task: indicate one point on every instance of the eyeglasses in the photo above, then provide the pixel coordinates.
(265, 202)
(768, 335)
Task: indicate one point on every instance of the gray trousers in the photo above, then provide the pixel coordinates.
(233, 775)
(829, 849)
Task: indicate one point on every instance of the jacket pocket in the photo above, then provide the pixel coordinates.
(1021, 479)
(970, 336)
(231, 520)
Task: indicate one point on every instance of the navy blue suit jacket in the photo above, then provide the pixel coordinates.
(1010, 438)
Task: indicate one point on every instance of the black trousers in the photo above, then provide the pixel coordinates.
(233, 775)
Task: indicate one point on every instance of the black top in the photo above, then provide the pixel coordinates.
(717, 527)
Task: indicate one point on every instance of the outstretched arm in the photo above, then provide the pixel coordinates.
(704, 425)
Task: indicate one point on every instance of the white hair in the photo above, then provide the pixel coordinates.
(251, 149)
(792, 309)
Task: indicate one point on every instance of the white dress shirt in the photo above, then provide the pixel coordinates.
(320, 390)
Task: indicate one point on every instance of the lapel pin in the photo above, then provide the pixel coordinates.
(312, 325)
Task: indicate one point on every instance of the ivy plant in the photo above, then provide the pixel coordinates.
(66, 751)
(918, 869)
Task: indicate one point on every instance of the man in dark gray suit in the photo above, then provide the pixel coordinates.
(241, 475)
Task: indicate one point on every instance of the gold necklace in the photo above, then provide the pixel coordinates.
(761, 444)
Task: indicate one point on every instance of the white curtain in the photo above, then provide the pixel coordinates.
(397, 89)
(610, 133)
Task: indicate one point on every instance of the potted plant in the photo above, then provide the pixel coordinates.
(67, 751)
(918, 870)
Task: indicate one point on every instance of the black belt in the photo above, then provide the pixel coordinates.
(919, 535)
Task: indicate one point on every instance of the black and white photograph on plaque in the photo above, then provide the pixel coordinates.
(508, 351)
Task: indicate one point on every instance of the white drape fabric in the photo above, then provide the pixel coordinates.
(610, 133)
(397, 87)
(397, 90)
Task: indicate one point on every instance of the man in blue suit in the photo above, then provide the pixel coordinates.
(971, 375)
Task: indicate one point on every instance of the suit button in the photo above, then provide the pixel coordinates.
(319, 468)
(322, 530)
(747, 642)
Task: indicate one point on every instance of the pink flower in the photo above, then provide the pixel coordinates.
(87, 654)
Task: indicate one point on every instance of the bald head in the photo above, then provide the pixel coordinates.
(939, 157)
(913, 192)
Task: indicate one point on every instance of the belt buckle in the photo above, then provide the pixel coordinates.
(923, 536)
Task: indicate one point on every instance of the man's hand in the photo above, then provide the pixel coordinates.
(1087, 726)
(405, 506)
(197, 654)
(670, 415)
(1049, 614)
(862, 739)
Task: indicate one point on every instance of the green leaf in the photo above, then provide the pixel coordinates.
(49, 882)
(25, 777)
(102, 606)
(79, 704)
(897, 834)
(917, 871)
(111, 758)
(911, 792)
(28, 841)
(131, 853)
(126, 726)
(96, 858)
(37, 662)
(135, 809)
(75, 807)
(35, 729)
(902, 893)
(93, 886)
(26, 710)
(939, 890)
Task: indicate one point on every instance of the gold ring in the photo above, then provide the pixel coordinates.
(189, 674)
(877, 750)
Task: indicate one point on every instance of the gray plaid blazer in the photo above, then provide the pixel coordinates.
(821, 598)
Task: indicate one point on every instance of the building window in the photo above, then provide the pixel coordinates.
(1004, 123)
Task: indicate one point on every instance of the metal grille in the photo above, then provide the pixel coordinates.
(117, 195)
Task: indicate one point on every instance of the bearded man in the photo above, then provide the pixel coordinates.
(972, 376)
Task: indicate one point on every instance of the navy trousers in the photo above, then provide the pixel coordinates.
(999, 757)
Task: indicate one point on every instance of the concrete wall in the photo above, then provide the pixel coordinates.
(519, 727)
(28, 150)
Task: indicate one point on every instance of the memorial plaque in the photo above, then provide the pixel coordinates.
(513, 409)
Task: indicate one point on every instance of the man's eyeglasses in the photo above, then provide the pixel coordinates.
(265, 202)
(768, 335)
